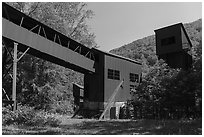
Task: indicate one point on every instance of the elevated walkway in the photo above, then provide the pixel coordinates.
(44, 42)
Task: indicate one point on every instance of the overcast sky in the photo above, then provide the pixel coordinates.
(119, 23)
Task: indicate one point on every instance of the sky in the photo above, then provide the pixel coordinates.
(118, 23)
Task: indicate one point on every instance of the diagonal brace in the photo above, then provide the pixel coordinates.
(111, 99)
(6, 94)
(23, 54)
(8, 52)
(7, 71)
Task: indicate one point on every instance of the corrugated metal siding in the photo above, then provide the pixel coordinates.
(125, 67)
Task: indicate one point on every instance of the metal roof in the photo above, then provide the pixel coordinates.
(118, 56)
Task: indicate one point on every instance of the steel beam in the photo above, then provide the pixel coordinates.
(76, 48)
(93, 56)
(54, 37)
(6, 94)
(44, 32)
(21, 21)
(7, 70)
(8, 51)
(11, 76)
(68, 44)
(14, 75)
(23, 54)
(34, 27)
(59, 40)
(67, 57)
(87, 53)
(39, 30)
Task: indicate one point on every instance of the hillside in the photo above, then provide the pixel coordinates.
(145, 49)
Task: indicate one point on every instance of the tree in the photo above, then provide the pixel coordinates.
(163, 87)
(41, 83)
(168, 93)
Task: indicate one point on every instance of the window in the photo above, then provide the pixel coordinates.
(117, 75)
(113, 74)
(81, 92)
(168, 41)
(134, 77)
(110, 73)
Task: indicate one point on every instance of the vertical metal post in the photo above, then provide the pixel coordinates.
(14, 76)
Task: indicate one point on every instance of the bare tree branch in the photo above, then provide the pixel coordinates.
(21, 7)
(33, 9)
(82, 6)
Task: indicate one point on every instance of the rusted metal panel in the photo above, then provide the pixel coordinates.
(21, 35)
(125, 67)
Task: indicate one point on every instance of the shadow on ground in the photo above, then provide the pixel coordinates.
(124, 127)
(114, 127)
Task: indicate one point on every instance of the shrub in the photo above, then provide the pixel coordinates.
(62, 107)
(28, 116)
(7, 116)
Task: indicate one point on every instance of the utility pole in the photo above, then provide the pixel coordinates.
(15, 60)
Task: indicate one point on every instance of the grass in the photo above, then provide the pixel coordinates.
(111, 127)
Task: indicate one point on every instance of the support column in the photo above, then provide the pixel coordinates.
(14, 76)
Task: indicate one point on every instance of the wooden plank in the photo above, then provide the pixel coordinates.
(26, 37)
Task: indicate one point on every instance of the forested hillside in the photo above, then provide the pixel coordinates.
(166, 93)
(145, 49)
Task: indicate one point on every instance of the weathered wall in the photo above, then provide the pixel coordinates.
(125, 67)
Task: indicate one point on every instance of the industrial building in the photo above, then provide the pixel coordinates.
(108, 78)
(174, 46)
(111, 70)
